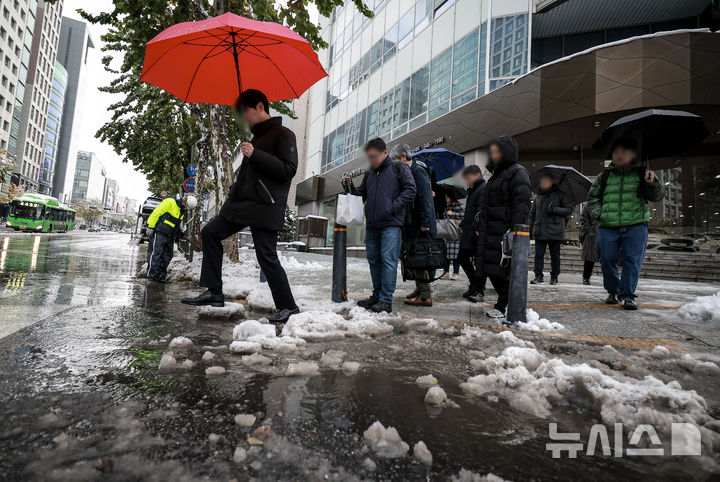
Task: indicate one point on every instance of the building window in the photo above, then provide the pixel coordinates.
(439, 85)
(465, 70)
(508, 49)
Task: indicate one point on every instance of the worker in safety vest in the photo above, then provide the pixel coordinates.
(164, 227)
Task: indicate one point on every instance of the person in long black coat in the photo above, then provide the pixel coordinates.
(473, 177)
(257, 200)
(548, 217)
(506, 202)
(588, 237)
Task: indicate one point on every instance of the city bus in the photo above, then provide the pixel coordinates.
(40, 214)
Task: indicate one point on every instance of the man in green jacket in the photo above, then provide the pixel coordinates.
(619, 200)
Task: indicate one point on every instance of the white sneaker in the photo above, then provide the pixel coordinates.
(493, 313)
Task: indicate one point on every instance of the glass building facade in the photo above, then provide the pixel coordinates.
(412, 63)
(52, 129)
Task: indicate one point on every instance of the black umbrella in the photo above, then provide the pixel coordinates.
(659, 133)
(573, 184)
(450, 187)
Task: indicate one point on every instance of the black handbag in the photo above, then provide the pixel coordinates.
(423, 253)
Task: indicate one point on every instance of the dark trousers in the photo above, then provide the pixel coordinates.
(540, 247)
(502, 286)
(265, 242)
(588, 269)
(160, 253)
(466, 258)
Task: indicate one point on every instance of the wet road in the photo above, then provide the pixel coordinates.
(82, 398)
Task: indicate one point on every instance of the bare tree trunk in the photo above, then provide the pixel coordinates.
(219, 141)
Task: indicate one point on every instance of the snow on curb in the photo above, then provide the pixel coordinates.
(703, 310)
(535, 323)
(323, 325)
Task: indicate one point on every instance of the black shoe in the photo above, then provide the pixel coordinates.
(283, 315)
(630, 305)
(368, 303)
(586, 281)
(476, 297)
(207, 298)
(381, 306)
(553, 280)
(468, 292)
(539, 279)
(611, 299)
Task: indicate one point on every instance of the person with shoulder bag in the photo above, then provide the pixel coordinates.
(419, 221)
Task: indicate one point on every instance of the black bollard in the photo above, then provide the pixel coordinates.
(517, 302)
(339, 273)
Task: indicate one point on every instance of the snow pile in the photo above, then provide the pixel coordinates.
(256, 359)
(208, 356)
(180, 343)
(302, 368)
(245, 419)
(350, 367)
(263, 334)
(291, 262)
(332, 357)
(533, 383)
(535, 323)
(215, 370)
(260, 299)
(429, 325)
(385, 442)
(426, 380)
(466, 476)
(239, 455)
(435, 396)
(230, 311)
(169, 362)
(421, 452)
(704, 310)
(245, 347)
(323, 325)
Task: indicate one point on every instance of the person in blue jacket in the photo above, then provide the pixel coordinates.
(419, 220)
(386, 188)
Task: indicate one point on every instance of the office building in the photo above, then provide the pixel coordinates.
(33, 106)
(89, 179)
(52, 129)
(75, 43)
(456, 73)
(110, 198)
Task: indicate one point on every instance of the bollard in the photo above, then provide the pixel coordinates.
(339, 273)
(517, 302)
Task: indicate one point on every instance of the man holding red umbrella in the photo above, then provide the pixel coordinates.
(257, 199)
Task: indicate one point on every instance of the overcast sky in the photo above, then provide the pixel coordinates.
(95, 105)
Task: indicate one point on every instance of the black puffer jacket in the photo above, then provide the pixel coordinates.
(548, 215)
(259, 195)
(468, 239)
(506, 202)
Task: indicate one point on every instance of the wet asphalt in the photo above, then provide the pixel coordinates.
(82, 398)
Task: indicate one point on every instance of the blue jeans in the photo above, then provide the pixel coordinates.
(383, 252)
(626, 244)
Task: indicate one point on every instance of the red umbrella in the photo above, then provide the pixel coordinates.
(213, 60)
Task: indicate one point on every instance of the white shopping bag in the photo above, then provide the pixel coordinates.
(350, 210)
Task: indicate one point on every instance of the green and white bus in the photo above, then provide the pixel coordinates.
(40, 214)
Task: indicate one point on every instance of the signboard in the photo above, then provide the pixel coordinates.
(192, 170)
(164, 194)
(189, 184)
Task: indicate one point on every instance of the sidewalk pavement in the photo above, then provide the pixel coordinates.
(579, 308)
